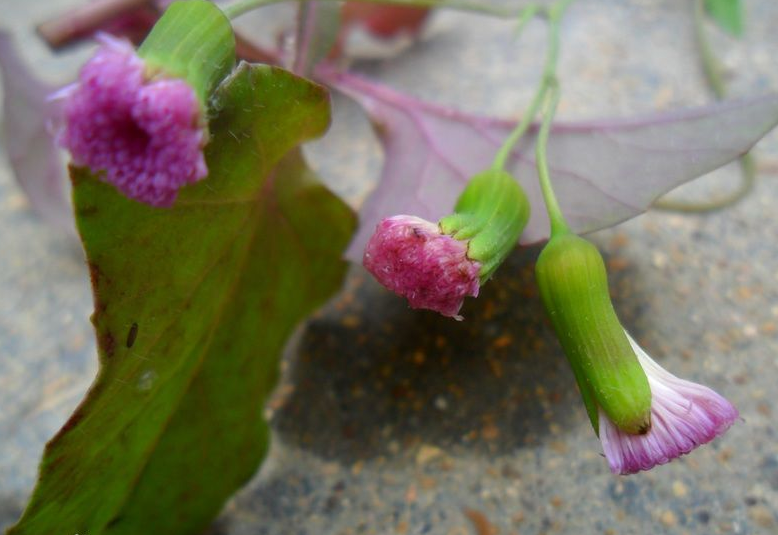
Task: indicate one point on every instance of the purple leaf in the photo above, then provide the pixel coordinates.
(317, 31)
(604, 172)
(34, 157)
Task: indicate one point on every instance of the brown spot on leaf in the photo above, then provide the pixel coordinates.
(94, 274)
(107, 343)
(86, 211)
(132, 335)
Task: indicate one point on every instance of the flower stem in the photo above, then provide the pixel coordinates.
(554, 14)
(710, 63)
(548, 93)
(501, 158)
(712, 69)
(558, 223)
(526, 15)
(243, 6)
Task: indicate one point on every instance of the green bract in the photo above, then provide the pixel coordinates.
(574, 289)
(490, 214)
(193, 40)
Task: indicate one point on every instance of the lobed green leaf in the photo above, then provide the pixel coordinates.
(193, 306)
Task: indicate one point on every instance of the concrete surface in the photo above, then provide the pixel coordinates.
(397, 421)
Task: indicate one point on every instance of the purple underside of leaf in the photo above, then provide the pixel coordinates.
(35, 159)
(317, 30)
(604, 171)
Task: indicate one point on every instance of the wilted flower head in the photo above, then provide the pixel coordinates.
(145, 134)
(411, 257)
(684, 415)
(644, 415)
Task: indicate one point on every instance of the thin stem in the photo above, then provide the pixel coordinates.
(554, 13)
(747, 181)
(711, 66)
(501, 159)
(712, 69)
(243, 6)
(558, 223)
(526, 15)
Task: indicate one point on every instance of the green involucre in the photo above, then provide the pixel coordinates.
(192, 40)
(491, 214)
(574, 289)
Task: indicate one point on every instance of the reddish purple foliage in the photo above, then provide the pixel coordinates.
(412, 258)
(604, 171)
(144, 135)
(684, 415)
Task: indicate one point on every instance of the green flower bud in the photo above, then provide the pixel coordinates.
(490, 215)
(574, 289)
(193, 40)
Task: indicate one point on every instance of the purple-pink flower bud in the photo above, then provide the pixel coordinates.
(411, 257)
(684, 415)
(143, 135)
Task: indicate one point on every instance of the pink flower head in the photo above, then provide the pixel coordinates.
(411, 257)
(684, 415)
(144, 135)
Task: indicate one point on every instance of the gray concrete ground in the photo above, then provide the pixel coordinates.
(397, 421)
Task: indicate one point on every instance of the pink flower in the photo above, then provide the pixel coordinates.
(684, 415)
(411, 257)
(143, 135)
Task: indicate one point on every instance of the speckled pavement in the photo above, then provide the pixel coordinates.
(393, 421)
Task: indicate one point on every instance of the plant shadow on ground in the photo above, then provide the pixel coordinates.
(370, 377)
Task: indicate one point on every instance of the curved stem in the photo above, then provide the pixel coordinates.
(549, 77)
(712, 69)
(558, 223)
(747, 181)
(710, 63)
(527, 14)
(243, 6)
(526, 120)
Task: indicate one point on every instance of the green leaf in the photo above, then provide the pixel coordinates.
(728, 14)
(193, 305)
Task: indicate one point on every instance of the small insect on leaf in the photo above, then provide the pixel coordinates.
(132, 335)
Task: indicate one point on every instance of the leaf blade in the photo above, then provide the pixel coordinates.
(195, 282)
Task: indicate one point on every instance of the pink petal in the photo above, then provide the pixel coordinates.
(412, 258)
(144, 136)
(684, 415)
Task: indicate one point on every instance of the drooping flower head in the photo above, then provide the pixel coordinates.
(644, 415)
(411, 257)
(143, 134)
(684, 415)
(435, 266)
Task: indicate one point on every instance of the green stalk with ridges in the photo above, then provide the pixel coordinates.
(491, 213)
(574, 288)
(192, 40)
